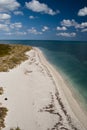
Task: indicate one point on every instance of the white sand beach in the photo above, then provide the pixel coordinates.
(38, 98)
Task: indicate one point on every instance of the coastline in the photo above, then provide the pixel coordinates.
(78, 110)
(38, 97)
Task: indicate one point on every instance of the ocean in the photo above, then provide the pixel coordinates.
(69, 58)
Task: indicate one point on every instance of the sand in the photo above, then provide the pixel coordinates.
(38, 98)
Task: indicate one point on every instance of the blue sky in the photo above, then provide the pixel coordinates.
(43, 19)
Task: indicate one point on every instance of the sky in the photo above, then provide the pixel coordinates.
(43, 19)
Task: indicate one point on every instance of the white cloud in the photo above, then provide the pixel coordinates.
(4, 16)
(7, 26)
(82, 12)
(31, 17)
(18, 13)
(16, 33)
(61, 28)
(73, 23)
(8, 33)
(69, 23)
(8, 5)
(82, 25)
(45, 28)
(34, 31)
(20, 33)
(73, 34)
(84, 30)
(4, 27)
(36, 6)
(16, 25)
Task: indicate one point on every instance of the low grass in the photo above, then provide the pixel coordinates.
(17, 128)
(12, 55)
(1, 90)
(4, 49)
(3, 113)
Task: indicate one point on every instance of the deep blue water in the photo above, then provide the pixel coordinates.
(70, 57)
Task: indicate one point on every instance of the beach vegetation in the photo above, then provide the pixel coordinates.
(12, 55)
(3, 113)
(4, 49)
(1, 90)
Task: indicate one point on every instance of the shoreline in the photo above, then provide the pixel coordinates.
(78, 110)
(68, 81)
(75, 94)
(37, 97)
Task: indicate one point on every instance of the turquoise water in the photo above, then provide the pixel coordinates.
(70, 57)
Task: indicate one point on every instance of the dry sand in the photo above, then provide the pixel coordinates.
(38, 98)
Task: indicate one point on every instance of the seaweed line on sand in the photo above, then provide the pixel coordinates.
(50, 107)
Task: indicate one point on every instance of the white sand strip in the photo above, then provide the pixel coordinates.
(33, 90)
(65, 93)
